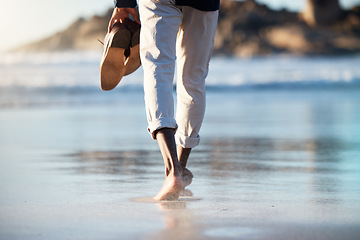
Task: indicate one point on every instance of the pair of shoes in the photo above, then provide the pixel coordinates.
(121, 54)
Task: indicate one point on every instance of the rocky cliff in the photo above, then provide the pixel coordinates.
(245, 29)
(80, 35)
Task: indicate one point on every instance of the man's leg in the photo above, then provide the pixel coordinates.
(183, 156)
(173, 183)
(160, 24)
(160, 21)
(194, 50)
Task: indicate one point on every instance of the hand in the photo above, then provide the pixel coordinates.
(119, 14)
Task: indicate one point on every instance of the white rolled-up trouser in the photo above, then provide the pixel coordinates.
(181, 34)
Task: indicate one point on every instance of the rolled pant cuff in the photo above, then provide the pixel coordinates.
(185, 141)
(157, 124)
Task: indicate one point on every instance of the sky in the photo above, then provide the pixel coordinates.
(24, 21)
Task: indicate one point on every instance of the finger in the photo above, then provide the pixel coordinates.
(122, 15)
(112, 23)
(136, 19)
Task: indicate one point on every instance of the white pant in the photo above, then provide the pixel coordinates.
(170, 33)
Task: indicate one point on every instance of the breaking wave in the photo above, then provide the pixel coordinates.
(80, 69)
(45, 76)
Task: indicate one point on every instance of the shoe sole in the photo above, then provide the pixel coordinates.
(112, 66)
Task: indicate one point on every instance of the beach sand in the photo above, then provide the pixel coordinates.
(271, 165)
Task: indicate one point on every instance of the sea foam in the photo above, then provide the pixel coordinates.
(81, 69)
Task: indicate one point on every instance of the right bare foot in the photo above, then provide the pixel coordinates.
(171, 188)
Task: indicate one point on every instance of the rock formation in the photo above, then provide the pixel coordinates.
(322, 12)
(80, 35)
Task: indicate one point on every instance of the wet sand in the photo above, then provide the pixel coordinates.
(270, 165)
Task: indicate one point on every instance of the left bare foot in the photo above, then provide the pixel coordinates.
(171, 188)
(187, 177)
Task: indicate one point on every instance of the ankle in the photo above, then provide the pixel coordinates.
(175, 173)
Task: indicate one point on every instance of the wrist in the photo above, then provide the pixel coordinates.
(125, 3)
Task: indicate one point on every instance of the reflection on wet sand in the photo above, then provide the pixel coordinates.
(235, 157)
(258, 171)
(236, 154)
(180, 222)
(115, 163)
(319, 161)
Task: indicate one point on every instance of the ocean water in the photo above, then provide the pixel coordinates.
(278, 158)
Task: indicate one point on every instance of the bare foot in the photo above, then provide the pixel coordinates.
(187, 177)
(171, 188)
